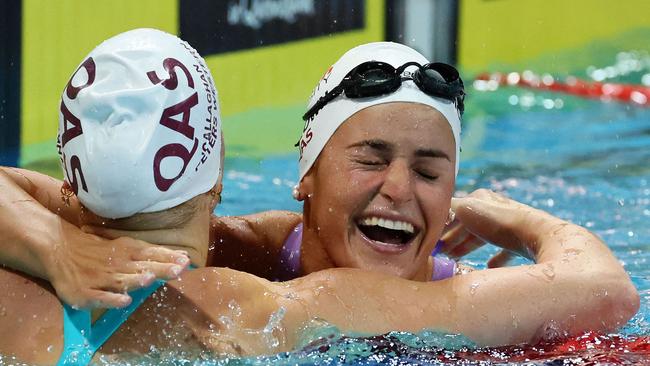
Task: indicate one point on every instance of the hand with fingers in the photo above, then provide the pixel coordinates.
(485, 216)
(91, 271)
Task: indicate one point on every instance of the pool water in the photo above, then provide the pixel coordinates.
(585, 161)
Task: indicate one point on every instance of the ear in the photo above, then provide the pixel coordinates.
(305, 188)
(215, 194)
(219, 188)
(297, 194)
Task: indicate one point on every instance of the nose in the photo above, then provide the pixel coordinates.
(397, 185)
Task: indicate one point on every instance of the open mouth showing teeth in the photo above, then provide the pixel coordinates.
(387, 231)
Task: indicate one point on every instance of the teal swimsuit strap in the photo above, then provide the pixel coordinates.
(82, 340)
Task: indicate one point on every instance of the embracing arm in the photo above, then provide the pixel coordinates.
(490, 307)
(39, 235)
(575, 285)
(28, 223)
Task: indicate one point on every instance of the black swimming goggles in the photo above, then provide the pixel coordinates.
(375, 78)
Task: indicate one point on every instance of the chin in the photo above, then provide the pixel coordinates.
(400, 265)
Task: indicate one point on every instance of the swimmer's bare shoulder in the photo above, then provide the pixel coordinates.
(30, 311)
(218, 310)
(251, 243)
(183, 315)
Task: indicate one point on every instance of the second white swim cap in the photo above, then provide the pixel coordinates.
(319, 129)
(139, 125)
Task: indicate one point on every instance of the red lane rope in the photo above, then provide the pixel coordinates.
(626, 93)
(590, 348)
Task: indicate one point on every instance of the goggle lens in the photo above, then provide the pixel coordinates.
(369, 80)
(433, 74)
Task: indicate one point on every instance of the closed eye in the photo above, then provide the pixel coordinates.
(371, 162)
(426, 175)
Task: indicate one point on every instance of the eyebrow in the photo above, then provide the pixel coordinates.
(380, 145)
(432, 153)
(384, 146)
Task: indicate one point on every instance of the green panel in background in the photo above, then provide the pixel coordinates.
(264, 131)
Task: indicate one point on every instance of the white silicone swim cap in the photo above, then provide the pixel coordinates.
(139, 125)
(319, 129)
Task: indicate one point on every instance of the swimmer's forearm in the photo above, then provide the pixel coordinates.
(26, 228)
(576, 283)
(46, 191)
(551, 239)
(527, 231)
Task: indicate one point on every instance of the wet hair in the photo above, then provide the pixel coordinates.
(170, 218)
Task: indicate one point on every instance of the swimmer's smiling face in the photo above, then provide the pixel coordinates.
(380, 191)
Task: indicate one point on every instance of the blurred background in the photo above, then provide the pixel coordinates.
(266, 55)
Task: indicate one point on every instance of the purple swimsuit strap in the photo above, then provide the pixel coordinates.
(290, 255)
(443, 268)
(290, 259)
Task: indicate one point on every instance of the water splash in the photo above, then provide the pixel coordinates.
(473, 288)
(274, 324)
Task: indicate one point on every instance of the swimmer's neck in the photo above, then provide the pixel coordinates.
(313, 256)
(191, 237)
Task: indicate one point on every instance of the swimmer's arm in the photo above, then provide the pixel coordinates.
(586, 291)
(251, 243)
(43, 190)
(492, 313)
(39, 235)
(28, 224)
(492, 307)
(576, 285)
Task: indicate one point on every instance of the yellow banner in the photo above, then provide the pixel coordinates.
(498, 32)
(262, 91)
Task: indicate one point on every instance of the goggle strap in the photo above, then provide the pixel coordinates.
(322, 101)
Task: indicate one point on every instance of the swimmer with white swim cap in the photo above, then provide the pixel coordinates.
(379, 157)
(140, 145)
(382, 219)
(139, 127)
(377, 196)
(380, 76)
